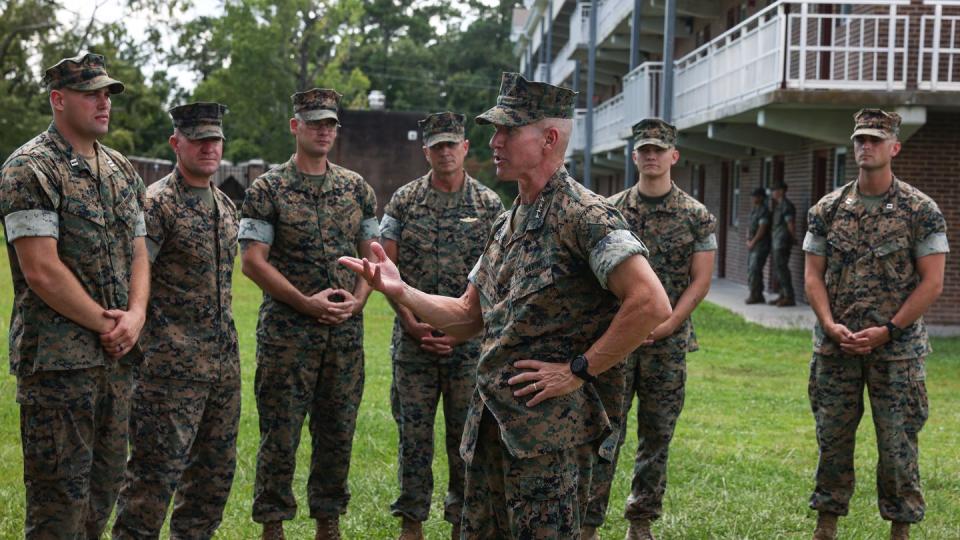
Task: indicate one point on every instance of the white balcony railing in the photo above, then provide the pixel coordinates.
(939, 54)
(578, 136)
(795, 48)
(642, 90)
(540, 72)
(608, 123)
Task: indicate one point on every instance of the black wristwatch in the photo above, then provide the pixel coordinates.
(579, 367)
(894, 330)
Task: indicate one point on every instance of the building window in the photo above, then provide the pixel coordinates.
(839, 166)
(766, 174)
(735, 195)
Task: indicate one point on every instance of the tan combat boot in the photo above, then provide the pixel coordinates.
(640, 530)
(328, 528)
(588, 532)
(273, 531)
(899, 531)
(411, 530)
(826, 527)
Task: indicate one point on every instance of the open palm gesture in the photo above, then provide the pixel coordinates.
(383, 276)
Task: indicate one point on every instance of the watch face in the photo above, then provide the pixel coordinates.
(578, 364)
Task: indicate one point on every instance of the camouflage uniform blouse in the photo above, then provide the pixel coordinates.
(440, 236)
(760, 215)
(48, 190)
(308, 226)
(673, 230)
(871, 261)
(783, 213)
(190, 333)
(543, 293)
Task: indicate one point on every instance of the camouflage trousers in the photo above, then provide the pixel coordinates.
(756, 259)
(73, 426)
(658, 381)
(416, 389)
(540, 498)
(781, 268)
(184, 439)
(291, 383)
(898, 401)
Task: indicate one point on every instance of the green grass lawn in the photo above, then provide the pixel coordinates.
(741, 467)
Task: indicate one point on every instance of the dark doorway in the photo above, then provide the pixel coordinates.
(723, 219)
(819, 187)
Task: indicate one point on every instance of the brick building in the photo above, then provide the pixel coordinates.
(763, 90)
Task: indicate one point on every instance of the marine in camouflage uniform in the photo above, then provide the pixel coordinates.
(186, 406)
(82, 216)
(876, 247)
(308, 361)
(676, 228)
(435, 229)
(783, 226)
(758, 244)
(540, 295)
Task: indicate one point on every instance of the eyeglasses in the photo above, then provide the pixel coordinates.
(321, 125)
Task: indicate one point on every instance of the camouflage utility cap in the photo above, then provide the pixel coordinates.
(202, 120)
(316, 104)
(442, 127)
(83, 72)
(876, 123)
(522, 102)
(654, 131)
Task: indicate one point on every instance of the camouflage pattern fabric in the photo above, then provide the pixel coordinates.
(876, 123)
(95, 223)
(74, 399)
(73, 427)
(308, 226)
(523, 102)
(672, 230)
(201, 120)
(325, 382)
(654, 131)
(414, 393)
(190, 333)
(84, 72)
(541, 497)
(658, 380)
(870, 272)
(757, 256)
(183, 438)
(542, 286)
(871, 263)
(186, 408)
(441, 127)
(543, 296)
(783, 211)
(439, 236)
(316, 104)
(898, 401)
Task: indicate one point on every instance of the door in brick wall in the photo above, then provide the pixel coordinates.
(723, 219)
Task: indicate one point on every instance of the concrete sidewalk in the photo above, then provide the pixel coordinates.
(730, 295)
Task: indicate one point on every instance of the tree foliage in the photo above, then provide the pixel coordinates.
(425, 55)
